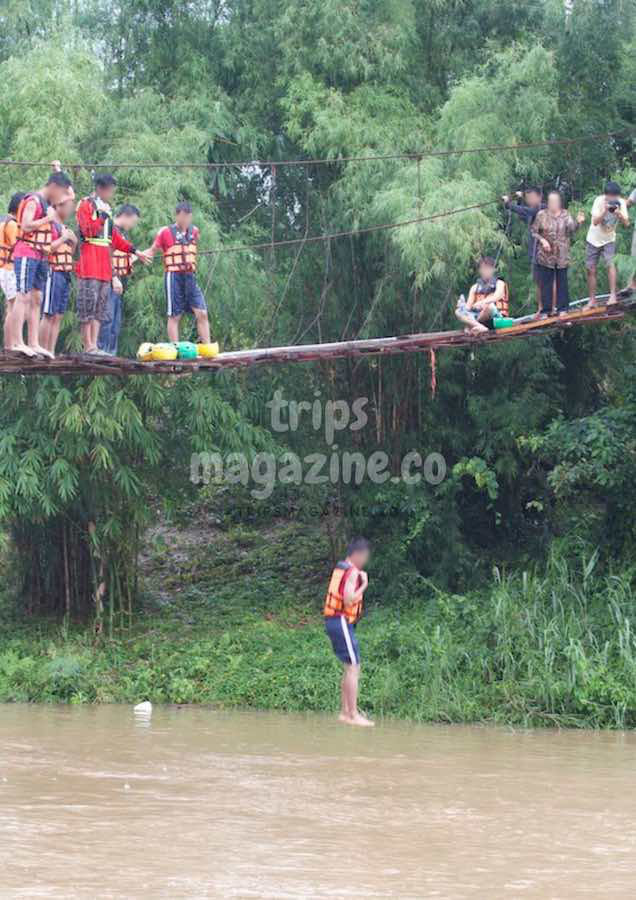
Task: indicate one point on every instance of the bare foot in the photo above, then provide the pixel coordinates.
(612, 299)
(22, 348)
(591, 303)
(343, 717)
(361, 720)
(42, 351)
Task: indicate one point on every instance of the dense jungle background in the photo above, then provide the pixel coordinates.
(506, 592)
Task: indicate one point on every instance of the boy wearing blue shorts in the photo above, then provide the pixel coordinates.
(35, 217)
(343, 610)
(178, 243)
(57, 289)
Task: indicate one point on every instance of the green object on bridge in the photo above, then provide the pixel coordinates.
(186, 350)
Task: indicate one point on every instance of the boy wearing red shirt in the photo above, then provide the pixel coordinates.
(98, 235)
(178, 244)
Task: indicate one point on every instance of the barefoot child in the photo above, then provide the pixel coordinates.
(343, 609)
(8, 238)
(35, 216)
(58, 283)
(178, 243)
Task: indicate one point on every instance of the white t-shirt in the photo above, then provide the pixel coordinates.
(605, 231)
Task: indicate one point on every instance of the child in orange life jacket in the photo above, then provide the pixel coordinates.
(35, 216)
(58, 283)
(343, 609)
(178, 244)
(126, 218)
(488, 299)
(8, 238)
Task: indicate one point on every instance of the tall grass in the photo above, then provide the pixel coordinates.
(555, 648)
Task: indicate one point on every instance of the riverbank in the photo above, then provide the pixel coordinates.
(232, 618)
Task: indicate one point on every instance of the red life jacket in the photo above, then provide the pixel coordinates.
(334, 601)
(41, 238)
(182, 256)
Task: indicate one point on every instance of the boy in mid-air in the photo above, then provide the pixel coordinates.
(178, 244)
(343, 609)
(487, 299)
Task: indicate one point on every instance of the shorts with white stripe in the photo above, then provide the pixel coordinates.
(30, 273)
(343, 639)
(183, 293)
(56, 293)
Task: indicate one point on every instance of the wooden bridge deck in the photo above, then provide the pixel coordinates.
(82, 364)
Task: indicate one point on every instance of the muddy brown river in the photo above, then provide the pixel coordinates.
(99, 803)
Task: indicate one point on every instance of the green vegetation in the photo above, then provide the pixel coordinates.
(539, 436)
(241, 628)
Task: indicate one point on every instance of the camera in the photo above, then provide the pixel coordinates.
(613, 205)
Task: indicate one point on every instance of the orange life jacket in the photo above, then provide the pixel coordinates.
(8, 238)
(61, 260)
(122, 264)
(484, 291)
(41, 238)
(182, 256)
(334, 601)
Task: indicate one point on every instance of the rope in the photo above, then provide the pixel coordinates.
(318, 238)
(488, 148)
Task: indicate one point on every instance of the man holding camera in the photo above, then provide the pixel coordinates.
(607, 211)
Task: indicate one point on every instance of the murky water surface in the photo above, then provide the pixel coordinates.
(97, 803)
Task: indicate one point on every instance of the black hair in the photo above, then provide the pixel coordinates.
(14, 203)
(488, 261)
(104, 180)
(127, 209)
(358, 545)
(184, 207)
(60, 179)
(613, 188)
(534, 189)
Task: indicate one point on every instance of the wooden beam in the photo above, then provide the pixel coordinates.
(82, 364)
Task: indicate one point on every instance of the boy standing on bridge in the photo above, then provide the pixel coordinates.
(35, 217)
(8, 238)
(98, 238)
(126, 218)
(343, 609)
(178, 244)
(58, 283)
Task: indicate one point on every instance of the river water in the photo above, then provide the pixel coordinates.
(96, 802)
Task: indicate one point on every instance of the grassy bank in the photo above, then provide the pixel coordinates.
(232, 619)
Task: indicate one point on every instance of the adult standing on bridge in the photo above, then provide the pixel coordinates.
(553, 227)
(98, 237)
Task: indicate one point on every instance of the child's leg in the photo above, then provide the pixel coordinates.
(203, 325)
(350, 691)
